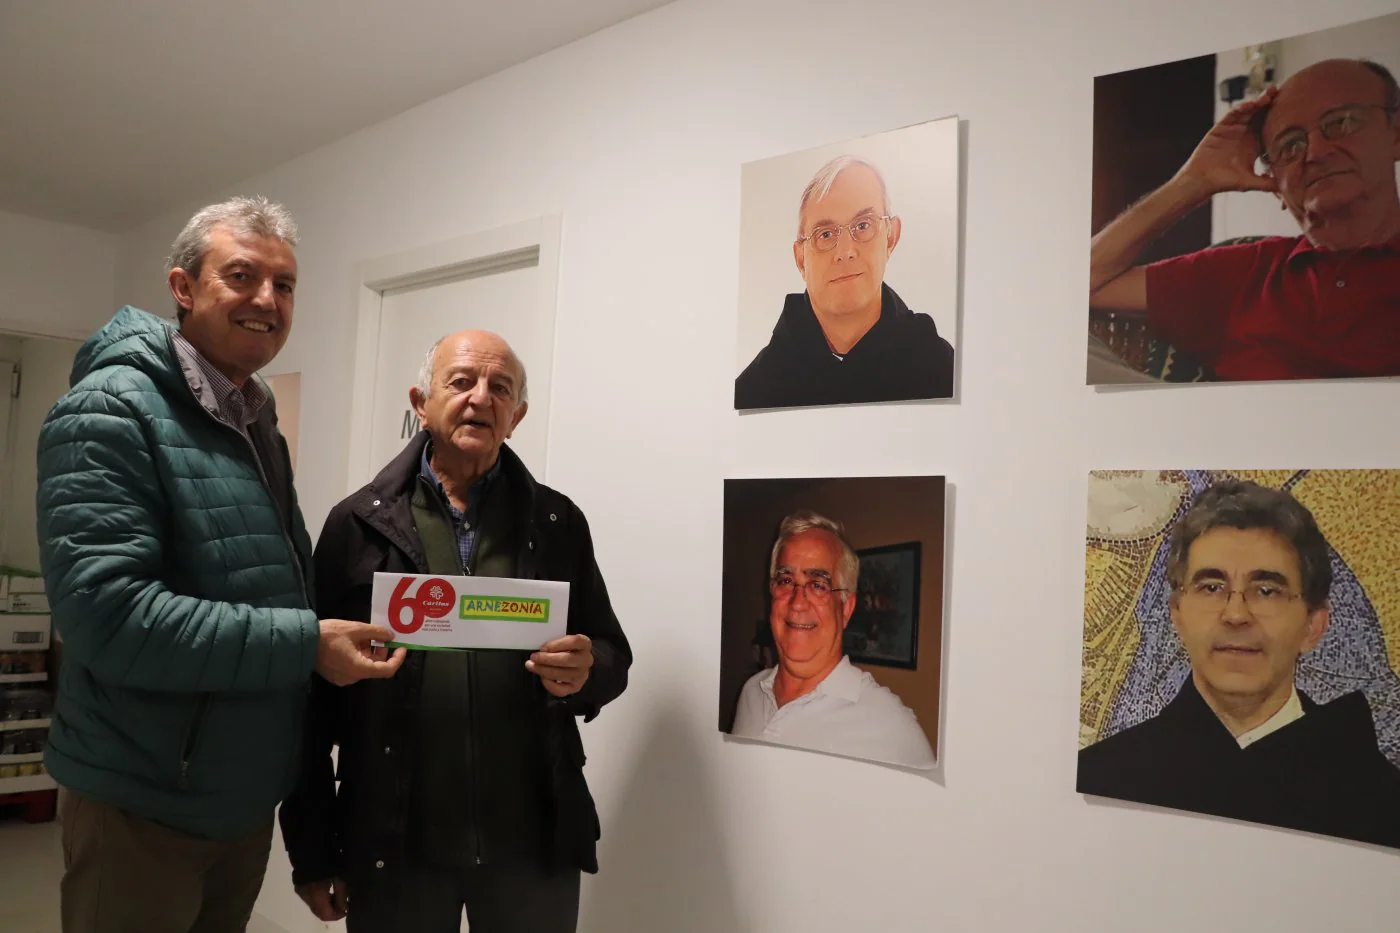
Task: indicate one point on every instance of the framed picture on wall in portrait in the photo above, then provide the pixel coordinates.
(1239, 654)
(884, 629)
(1246, 213)
(848, 272)
(831, 635)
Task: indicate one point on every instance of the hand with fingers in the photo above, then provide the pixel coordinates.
(327, 899)
(345, 654)
(563, 664)
(1225, 159)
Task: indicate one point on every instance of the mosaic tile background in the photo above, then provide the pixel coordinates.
(1133, 660)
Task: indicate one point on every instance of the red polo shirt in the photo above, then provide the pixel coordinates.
(1281, 308)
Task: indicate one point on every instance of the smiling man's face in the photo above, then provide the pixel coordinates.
(847, 278)
(475, 403)
(238, 310)
(1338, 175)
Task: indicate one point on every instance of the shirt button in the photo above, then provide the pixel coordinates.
(379, 864)
(386, 749)
(376, 501)
(553, 517)
(1341, 283)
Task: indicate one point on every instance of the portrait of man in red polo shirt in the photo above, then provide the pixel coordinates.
(1324, 304)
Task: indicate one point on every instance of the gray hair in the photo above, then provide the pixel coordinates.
(826, 176)
(803, 520)
(1241, 504)
(256, 216)
(425, 372)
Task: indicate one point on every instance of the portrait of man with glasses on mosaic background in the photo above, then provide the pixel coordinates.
(814, 697)
(1323, 303)
(1250, 585)
(848, 336)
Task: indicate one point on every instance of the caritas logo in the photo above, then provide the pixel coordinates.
(433, 600)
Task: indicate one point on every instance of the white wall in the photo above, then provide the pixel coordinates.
(1254, 213)
(636, 136)
(54, 278)
(44, 368)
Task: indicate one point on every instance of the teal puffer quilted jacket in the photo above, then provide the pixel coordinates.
(177, 589)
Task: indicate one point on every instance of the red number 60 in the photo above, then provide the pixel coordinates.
(398, 602)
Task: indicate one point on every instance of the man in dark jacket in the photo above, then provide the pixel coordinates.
(848, 337)
(177, 566)
(1240, 740)
(461, 782)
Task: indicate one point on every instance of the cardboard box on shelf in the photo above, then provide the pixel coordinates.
(29, 602)
(24, 632)
(23, 582)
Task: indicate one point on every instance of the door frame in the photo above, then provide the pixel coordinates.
(25, 330)
(478, 253)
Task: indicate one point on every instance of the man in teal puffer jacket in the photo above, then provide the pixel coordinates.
(176, 562)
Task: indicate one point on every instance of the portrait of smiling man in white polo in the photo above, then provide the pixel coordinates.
(832, 615)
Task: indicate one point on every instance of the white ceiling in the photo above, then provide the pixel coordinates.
(114, 111)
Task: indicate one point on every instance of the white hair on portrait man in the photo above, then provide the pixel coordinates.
(826, 176)
(425, 372)
(804, 520)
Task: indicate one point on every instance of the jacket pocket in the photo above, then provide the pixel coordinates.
(191, 742)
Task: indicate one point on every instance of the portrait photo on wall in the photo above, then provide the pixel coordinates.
(831, 637)
(1241, 637)
(848, 265)
(1245, 217)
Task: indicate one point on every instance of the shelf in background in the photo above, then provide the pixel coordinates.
(24, 678)
(28, 758)
(24, 724)
(23, 785)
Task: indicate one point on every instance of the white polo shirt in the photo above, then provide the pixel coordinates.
(847, 714)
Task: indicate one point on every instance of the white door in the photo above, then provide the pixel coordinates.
(506, 301)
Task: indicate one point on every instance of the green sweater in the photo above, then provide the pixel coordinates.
(174, 556)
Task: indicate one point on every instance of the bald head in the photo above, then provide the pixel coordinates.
(470, 398)
(482, 340)
(1332, 143)
(1337, 81)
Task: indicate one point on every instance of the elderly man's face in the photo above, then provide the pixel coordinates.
(806, 628)
(240, 306)
(475, 401)
(1244, 648)
(847, 278)
(1333, 174)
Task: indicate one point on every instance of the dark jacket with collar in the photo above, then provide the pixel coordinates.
(1323, 773)
(363, 828)
(901, 358)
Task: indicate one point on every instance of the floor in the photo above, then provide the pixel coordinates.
(31, 864)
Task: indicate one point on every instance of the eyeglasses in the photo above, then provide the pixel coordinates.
(1335, 124)
(1264, 600)
(825, 237)
(784, 586)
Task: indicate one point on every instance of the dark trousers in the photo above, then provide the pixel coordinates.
(514, 897)
(124, 874)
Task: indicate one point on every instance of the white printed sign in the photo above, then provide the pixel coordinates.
(431, 611)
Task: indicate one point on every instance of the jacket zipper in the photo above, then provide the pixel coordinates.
(187, 753)
(262, 475)
(473, 789)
